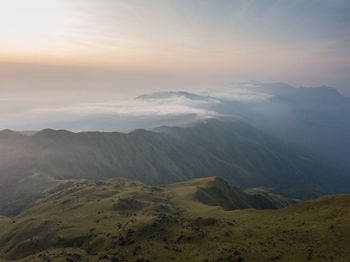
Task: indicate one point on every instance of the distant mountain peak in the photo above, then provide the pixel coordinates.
(7, 132)
(47, 132)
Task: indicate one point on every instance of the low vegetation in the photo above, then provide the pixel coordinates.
(199, 220)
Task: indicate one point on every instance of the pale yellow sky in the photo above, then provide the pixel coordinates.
(301, 42)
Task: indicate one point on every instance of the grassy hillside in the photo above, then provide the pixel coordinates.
(124, 220)
(242, 155)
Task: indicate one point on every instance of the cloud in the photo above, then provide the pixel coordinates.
(146, 111)
(134, 107)
(242, 92)
(116, 115)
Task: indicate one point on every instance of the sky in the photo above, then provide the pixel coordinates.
(75, 51)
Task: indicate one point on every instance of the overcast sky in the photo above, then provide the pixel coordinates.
(93, 49)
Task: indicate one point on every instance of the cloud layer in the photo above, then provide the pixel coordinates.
(123, 114)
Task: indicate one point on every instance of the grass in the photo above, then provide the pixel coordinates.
(125, 220)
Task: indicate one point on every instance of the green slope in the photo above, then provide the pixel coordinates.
(125, 220)
(242, 155)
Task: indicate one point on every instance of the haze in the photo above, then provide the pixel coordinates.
(72, 52)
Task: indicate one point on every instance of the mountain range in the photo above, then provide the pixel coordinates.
(314, 119)
(228, 175)
(239, 153)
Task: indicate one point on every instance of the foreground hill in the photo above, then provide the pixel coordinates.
(123, 220)
(32, 165)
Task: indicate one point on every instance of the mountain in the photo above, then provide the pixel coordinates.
(126, 220)
(32, 165)
(270, 161)
(314, 119)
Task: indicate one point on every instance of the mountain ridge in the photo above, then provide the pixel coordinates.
(237, 152)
